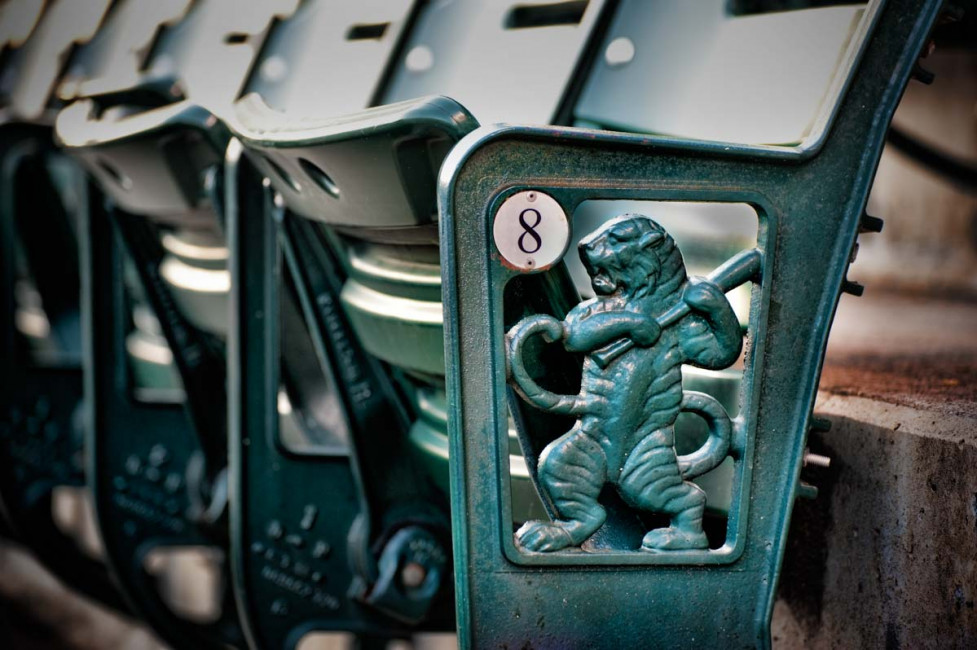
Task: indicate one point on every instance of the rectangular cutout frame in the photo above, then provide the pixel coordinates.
(812, 205)
(744, 423)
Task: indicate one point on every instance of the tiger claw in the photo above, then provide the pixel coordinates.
(543, 537)
(703, 295)
(674, 539)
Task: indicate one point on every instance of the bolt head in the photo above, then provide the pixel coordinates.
(413, 575)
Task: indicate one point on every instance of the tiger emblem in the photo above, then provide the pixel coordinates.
(631, 396)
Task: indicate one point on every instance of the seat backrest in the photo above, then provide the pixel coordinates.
(504, 61)
(66, 24)
(693, 70)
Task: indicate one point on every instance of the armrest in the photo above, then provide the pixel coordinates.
(810, 205)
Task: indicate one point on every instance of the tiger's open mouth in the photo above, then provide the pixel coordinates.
(603, 285)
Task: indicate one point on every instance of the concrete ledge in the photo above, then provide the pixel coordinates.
(887, 554)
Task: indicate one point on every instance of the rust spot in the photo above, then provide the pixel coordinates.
(948, 381)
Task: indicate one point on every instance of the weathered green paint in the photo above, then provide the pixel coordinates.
(647, 320)
(380, 511)
(810, 204)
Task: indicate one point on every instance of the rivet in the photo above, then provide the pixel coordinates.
(413, 575)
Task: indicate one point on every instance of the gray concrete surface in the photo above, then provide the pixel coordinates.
(886, 556)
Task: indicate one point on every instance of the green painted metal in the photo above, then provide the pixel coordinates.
(383, 521)
(484, 57)
(429, 436)
(42, 192)
(811, 202)
(157, 469)
(631, 386)
(41, 380)
(138, 454)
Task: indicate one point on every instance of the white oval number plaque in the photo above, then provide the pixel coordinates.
(531, 230)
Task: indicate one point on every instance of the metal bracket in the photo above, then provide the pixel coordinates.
(810, 204)
(332, 171)
(40, 432)
(43, 191)
(387, 531)
(158, 474)
(138, 453)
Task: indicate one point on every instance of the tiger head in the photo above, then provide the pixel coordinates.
(632, 256)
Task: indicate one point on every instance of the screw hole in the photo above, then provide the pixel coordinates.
(552, 14)
(367, 32)
(120, 179)
(284, 175)
(319, 177)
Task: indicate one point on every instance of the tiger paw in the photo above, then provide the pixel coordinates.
(703, 296)
(543, 537)
(674, 539)
(645, 332)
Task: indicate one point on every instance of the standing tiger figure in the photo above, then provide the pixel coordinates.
(628, 404)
